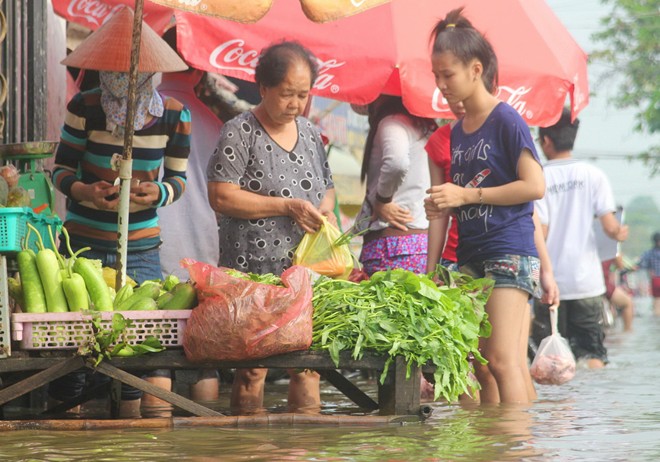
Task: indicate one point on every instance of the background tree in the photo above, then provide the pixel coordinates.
(632, 52)
(643, 217)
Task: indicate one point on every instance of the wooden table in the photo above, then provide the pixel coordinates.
(396, 396)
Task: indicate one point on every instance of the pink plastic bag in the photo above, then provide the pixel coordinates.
(238, 319)
(554, 363)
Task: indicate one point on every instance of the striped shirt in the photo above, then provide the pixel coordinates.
(85, 152)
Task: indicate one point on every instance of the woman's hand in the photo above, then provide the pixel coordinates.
(102, 194)
(447, 195)
(330, 216)
(393, 214)
(147, 193)
(432, 210)
(550, 288)
(304, 214)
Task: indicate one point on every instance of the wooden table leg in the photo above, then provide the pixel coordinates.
(398, 395)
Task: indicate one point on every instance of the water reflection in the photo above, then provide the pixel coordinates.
(610, 414)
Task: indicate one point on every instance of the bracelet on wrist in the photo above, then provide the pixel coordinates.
(383, 200)
(481, 196)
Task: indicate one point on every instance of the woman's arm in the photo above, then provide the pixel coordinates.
(548, 283)
(438, 225)
(327, 206)
(392, 136)
(529, 186)
(395, 164)
(229, 199)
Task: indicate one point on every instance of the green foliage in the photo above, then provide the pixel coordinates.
(643, 219)
(109, 342)
(267, 278)
(629, 36)
(398, 312)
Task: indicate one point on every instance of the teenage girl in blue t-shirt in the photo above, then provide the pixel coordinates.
(496, 176)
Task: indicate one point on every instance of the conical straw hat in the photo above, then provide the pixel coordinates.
(109, 48)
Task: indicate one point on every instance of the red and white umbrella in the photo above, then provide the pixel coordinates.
(94, 12)
(385, 49)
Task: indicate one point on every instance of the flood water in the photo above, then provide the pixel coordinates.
(611, 414)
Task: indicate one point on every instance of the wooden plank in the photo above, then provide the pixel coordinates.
(170, 397)
(55, 371)
(174, 358)
(398, 395)
(349, 389)
(22, 364)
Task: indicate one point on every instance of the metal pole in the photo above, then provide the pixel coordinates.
(125, 168)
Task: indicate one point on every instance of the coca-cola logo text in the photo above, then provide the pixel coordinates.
(233, 55)
(189, 2)
(512, 96)
(93, 11)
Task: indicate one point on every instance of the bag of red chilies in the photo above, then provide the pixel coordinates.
(238, 319)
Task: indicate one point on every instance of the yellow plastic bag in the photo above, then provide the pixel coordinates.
(321, 253)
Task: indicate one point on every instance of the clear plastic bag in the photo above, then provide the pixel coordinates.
(554, 363)
(238, 319)
(323, 253)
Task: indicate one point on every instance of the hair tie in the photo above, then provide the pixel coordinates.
(451, 25)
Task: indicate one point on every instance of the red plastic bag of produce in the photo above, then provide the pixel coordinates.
(554, 363)
(239, 319)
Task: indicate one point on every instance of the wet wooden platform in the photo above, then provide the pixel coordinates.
(397, 396)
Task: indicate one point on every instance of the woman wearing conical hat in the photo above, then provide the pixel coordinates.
(93, 132)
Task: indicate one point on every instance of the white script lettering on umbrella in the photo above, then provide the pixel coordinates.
(232, 55)
(94, 11)
(511, 96)
(514, 97)
(189, 2)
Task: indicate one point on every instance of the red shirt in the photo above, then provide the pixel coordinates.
(438, 149)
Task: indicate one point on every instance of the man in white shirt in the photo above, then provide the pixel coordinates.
(576, 192)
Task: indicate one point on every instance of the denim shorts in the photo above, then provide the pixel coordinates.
(449, 264)
(509, 271)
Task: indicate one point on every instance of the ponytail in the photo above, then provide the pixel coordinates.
(456, 34)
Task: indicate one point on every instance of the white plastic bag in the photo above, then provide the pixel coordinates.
(554, 363)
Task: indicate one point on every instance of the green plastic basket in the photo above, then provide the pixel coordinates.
(13, 228)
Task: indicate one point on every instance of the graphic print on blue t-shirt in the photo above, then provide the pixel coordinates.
(488, 157)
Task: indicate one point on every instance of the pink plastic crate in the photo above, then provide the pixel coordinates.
(62, 331)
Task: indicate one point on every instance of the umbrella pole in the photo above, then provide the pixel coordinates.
(125, 167)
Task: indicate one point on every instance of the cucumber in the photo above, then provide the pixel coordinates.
(164, 298)
(124, 294)
(184, 297)
(144, 304)
(148, 289)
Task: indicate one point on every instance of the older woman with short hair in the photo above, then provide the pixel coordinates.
(270, 182)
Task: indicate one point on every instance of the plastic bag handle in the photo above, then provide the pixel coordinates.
(553, 318)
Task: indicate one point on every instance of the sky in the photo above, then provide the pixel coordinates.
(606, 132)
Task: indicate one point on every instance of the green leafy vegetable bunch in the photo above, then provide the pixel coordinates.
(398, 312)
